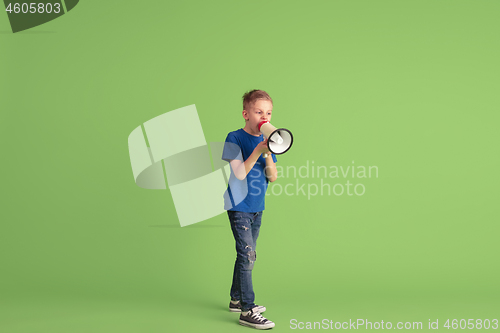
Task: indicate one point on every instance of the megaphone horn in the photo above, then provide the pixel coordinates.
(279, 140)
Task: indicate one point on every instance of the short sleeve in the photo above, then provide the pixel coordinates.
(232, 150)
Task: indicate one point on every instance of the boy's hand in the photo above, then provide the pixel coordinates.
(262, 148)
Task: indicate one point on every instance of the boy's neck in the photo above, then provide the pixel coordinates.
(249, 130)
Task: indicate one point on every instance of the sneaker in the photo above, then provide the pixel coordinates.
(254, 319)
(235, 306)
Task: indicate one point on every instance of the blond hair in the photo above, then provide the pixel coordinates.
(250, 97)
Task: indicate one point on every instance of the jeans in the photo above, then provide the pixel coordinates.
(245, 227)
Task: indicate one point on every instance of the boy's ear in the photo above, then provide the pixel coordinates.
(245, 114)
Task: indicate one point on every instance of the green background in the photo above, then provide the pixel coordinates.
(409, 86)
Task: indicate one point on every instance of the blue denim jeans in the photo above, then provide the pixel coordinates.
(245, 227)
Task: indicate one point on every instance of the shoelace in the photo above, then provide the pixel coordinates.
(258, 316)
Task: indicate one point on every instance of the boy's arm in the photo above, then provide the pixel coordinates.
(271, 172)
(241, 169)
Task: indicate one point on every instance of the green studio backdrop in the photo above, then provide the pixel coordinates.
(409, 88)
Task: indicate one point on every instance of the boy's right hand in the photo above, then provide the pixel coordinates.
(262, 148)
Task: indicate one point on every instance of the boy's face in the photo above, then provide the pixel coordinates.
(260, 111)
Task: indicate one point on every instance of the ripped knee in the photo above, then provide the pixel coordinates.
(252, 255)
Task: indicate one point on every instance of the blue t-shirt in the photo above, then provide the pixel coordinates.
(247, 195)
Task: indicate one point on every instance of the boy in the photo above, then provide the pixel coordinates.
(244, 201)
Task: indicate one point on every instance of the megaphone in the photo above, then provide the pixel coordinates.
(279, 140)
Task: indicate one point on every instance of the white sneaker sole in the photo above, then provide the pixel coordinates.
(257, 326)
(260, 309)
